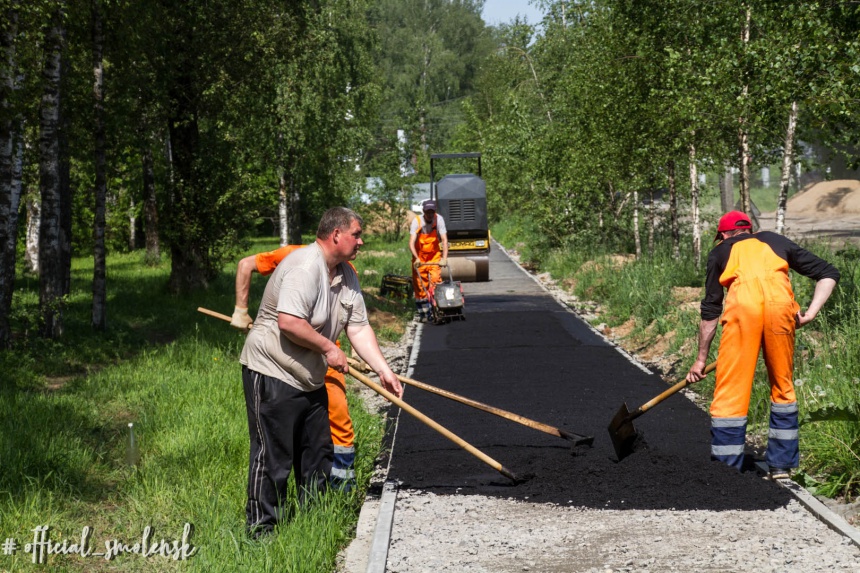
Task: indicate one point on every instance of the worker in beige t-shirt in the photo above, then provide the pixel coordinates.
(311, 298)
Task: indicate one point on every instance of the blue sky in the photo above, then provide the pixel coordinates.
(500, 11)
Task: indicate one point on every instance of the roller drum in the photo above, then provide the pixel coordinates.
(469, 268)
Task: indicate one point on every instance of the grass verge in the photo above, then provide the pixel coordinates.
(65, 407)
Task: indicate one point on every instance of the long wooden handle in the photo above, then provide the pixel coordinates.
(540, 426)
(219, 315)
(433, 424)
(213, 313)
(682, 383)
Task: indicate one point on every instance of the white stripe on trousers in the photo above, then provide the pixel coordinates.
(258, 464)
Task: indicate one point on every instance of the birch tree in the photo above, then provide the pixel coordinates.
(55, 224)
(99, 310)
(11, 149)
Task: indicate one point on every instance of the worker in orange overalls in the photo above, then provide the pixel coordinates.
(760, 315)
(428, 241)
(342, 433)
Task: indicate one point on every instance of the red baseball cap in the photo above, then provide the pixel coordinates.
(731, 221)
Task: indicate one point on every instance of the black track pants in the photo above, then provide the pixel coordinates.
(288, 429)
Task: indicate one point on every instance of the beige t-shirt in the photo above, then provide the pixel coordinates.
(300, 287)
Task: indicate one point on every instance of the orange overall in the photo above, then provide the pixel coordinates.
(429, 251)
(759, 316)
(340, 423)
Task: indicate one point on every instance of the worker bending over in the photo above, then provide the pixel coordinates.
(760, 314)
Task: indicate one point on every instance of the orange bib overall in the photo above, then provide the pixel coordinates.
(759, 316)
(429, 251)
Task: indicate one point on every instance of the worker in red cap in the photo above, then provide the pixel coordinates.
(428, 241)
(760, 314)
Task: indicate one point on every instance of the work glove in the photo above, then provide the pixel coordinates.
(241, 319)
(443, 263)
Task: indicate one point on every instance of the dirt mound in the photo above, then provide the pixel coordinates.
(827, 198)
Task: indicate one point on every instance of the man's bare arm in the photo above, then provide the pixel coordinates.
(299, 331)
(823, 290)
(364, 341)
(707, 331)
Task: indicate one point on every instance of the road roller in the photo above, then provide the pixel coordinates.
(462, 200)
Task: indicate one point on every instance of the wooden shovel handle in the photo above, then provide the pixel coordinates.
(213, 313)
(682, 383)
(546, 428)
(433, 424)
(219, 315)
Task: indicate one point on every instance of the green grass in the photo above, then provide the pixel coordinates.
(827, 360)
(65, 408)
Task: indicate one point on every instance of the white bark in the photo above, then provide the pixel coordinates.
(636, 237)
(283, 223)
(652, 222)
(694, 208)
(743, 136)
(787, 160)
(673, 211)
(132, 225)
(34, 221)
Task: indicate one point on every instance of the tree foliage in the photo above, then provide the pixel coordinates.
(607, 97)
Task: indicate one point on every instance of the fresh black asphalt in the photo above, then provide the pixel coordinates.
(522, 351)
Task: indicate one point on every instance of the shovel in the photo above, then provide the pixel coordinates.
(621, 430)
(439, 428)
(576, 439)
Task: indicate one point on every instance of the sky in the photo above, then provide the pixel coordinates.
(502, 11)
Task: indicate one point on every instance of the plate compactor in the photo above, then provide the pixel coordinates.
(446, 300)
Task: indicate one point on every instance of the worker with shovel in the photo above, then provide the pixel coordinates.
(760, 314)
(312, 296)
(428, 241)
(340, 422)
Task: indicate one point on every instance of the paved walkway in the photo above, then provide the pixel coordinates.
(521, 350)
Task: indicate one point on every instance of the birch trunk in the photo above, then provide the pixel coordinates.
(743, 136)
(52, 256)
(744, 175)
(787, 161)
(694, 208)
(283, 222)
(652, 222)
(673, 210)
(150, 207)
(99, 308)
(727, 192)
(132, 224)
(34, 222)
(10, 182)
(637, 239)
(293, 218)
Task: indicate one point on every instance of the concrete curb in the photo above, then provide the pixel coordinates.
(816, 508)
(382, 535)
(368, 553)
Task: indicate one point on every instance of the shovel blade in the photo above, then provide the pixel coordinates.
(622, 433)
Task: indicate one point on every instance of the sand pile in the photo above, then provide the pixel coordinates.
(826, 198)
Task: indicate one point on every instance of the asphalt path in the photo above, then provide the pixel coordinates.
(521, 350)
